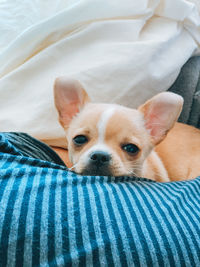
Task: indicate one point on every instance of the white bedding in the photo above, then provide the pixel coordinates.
(122, 51)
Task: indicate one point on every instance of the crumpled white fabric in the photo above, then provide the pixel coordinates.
(121, 51)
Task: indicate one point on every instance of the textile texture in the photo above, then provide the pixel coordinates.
(50, 216)
(121, 51)
(188, 86)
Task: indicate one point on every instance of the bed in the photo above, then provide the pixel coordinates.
(49, 216)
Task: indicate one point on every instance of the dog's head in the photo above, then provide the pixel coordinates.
(110, 139)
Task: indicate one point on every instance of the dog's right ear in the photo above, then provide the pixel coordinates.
(160, 114)
(69, 97)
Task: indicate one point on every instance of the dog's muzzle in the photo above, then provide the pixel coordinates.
(98, 164)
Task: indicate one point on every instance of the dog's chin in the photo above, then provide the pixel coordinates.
(96, 171)
(99, 171)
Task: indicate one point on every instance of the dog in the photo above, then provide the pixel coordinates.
(113, 140)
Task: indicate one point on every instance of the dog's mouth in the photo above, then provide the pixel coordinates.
(97, 171)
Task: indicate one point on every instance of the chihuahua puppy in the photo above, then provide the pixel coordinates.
(110, 139)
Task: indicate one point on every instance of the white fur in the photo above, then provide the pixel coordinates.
(105, 116)
(101, 126)
(98, 147)
(147, 168)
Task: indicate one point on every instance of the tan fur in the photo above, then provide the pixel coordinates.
(130, 122)
(168, 151)
(154, 169)
(180, 152)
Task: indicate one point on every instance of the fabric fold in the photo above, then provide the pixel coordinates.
(122, 52)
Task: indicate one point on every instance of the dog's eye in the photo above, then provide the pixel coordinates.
(80, 140)
(131, 148)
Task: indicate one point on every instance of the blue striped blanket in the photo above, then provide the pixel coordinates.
(50, 216)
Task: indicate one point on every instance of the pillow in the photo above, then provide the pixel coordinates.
(51, 216)
(121, 51)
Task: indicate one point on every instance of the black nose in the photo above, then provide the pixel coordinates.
(100, 158)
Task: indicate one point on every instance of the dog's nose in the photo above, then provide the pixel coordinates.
(100, 158)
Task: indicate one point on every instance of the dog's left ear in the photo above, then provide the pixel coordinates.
(160, 114)
(69, 97)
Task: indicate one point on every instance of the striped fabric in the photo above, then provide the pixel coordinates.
(50, 216)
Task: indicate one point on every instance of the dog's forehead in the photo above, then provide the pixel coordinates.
(110, 118)
(122, 122)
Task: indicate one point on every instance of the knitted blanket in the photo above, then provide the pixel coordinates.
(50, 216)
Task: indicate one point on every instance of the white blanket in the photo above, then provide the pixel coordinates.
(123, 51)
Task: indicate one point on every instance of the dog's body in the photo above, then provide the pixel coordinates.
(180, 152)
(109, 139)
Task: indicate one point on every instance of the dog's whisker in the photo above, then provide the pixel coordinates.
(130, 171)
(72, 167)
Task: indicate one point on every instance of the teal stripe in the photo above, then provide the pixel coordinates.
(132, 213)
(187, 211)
(78, 227)
(113, 212)
(33, 209)
(142, 223)
(85, 223)
(59, 258)
(51, 218)
(119, 207)
(65, 220)
(185, 220)
(108, 224)
(5, 179)
(44, 202)
(101, 226)
(96, 239)
(129, 207)
(19, 219)
(181, 230)
(6, 161)
(171, 230)
(8, 216)
(72, 230)
(191, 200)
(146, 207)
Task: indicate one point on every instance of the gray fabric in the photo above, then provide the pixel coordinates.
(188, 85)
(30, 147)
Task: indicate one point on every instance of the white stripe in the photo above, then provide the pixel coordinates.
(15, 161)
(153, 223)
(181, 225)
(61, 175)
(4, 200)
(97, 228)
(4, 162)
(141, 252)
(109, 227)
(72, 229)
(100, 145)
(84, 226)
(195, 193)
(30, 220)
(44, 220)
(6, 194)
(105, 116)
(127, 249)
(166, 212)
(179, 187)
(12, 241)
(192, 228)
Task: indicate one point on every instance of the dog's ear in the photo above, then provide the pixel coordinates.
(69, 97)
(160, 114)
